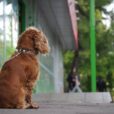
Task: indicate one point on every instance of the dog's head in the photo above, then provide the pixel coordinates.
(34, 39)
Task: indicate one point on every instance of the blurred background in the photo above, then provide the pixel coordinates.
(104, 32)
(66, 24)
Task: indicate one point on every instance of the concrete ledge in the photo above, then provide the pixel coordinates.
(76, 98)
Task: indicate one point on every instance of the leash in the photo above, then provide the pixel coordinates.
(13, 57)
(19, 51)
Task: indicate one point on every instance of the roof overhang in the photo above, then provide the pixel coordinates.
(61, 17)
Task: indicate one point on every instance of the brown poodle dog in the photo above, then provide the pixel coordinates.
(18, 75)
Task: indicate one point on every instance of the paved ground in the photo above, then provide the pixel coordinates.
(68, 104)
(61, 108)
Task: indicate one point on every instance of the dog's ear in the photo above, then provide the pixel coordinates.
(41, 43)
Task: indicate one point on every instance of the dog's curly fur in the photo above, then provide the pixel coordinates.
(18, 75)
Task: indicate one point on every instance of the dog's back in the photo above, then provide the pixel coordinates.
(11, 88)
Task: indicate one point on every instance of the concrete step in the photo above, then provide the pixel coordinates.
(72, 103)
(75, 98)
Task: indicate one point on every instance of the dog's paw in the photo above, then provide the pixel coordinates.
(33, 106)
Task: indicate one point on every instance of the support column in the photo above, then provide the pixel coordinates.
(93, 45)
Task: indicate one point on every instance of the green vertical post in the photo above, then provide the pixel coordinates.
(93, 45)
(22, 16)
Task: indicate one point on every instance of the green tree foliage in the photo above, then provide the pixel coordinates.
(68, 57)
(104, 44)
